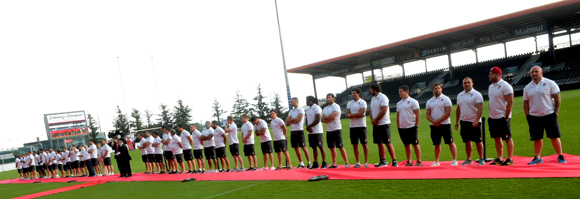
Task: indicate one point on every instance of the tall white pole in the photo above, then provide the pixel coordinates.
(283, 58)
(122, 89)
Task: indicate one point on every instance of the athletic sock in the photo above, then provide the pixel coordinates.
(301, 164)
(383, 160)
(357, 162)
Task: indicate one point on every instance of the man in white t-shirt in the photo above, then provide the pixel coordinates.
(248, 140)
(94, 157)
(72, 155)
(158, 153)
(355, 111)
(197, 148)
(381, 121)
(150, 151)
(314, 128)
(542, 105)
(60, 161)
(24, 162)
(207, 136)
(52, 159)
(32, 166)
(501, 100)
(438, 110)
(261, 128)
(176, 148)
(187, 143)
(220, 146)
(232, 132)
(280, 139)
(331, 117)
(44, 164)
(104, 169)
(106, 157)
(469, 109)
(143, 144)
(18, 166)
(167, 150)
(66, 161)
(296, 120)
(408, 116)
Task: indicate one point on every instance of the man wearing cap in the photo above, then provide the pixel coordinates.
(469, 110)
(501, 99)
(542, 113)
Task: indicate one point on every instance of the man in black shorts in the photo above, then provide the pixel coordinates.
(280, 140)
(209, 147)
(469, 109)
(248, 140)
(232, 132)
(167, 150)
(314, 128)
(331, 117)
(261, 128)
(408, 116)
(187, 143)
(380, 119)
(438, 110)
(296, 120)
(501, 99)
(106, 157)
(355, 111)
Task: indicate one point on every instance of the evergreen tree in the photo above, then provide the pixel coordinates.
(181, 114)
(277, 105)
(137, 116)
(148, 115)
(120, 122)
(217, 110)
(260, 109)
(240, 107)
(93, 129)
(165, 116)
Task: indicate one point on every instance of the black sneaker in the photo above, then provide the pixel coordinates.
(194, 172)
(324, 165)
(250, 169)
(333, 166)
(309, 166)
(314, 165)
(497, 161)
(507, 162)
(418, 164)
(381, 164)
(255, 168)
(202, 171)
(409, 164)
(395, 164)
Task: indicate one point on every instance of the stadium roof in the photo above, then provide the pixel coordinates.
(564, 15)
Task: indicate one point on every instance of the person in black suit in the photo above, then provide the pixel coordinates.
(115, 147)
(124, 159)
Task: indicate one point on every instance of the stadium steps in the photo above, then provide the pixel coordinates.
(524, 68)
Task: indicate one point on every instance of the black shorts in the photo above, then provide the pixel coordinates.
(409, 136)
(266, 147)
(334, 139)
(95, 162)
(220, 152)
(280, 146)
(168, 155)
(538, 124)
(81, 164)
(443, 130)
(315, 140)
(52, 167)
(107, 161)
(198, 154)
(46, 167)
(297, 139)
(382, 134)
(235, 149)
(187, 154)
(38, 168)
(179, 158)
(158, 157)
(470, 133)
(24, 170)
(144, 158)
(59, 167)
(150, 158)
(67, 166)
(74, 164)
(249, 150)
(20, 171)
(500, 128)
(209, 153)
(358, 134)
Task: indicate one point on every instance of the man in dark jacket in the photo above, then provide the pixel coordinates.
(124, 159)
(115, 147)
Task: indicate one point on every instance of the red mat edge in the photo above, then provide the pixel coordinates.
(60, 190)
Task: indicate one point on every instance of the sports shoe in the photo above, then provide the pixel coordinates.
(418, 164)
(229, 170)
(366, 165)
(279, 168)
(324, 166)
(561, 159)
(272, 168)
(381, 164)
(250, 169)
(300, 167)
(395, 163)
(217, 171)
(347, 165)
(497, 161)
(536, 161)
(357, 165)
(409, 164)
(236, 169)
(241, 169)
(255, 168)
(333, 166)
(309, 166)
(454, 163)
(264, 168)
(314, 165)
(289, 167)
(467, 162)
(507, 162)
(435, 164)
(481, 162)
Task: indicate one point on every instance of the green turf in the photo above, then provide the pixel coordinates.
(523, 147)
(15, 190)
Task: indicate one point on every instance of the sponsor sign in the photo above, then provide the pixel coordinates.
(433, 51)
(530, 30)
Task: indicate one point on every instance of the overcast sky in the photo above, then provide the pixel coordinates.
(58, 56)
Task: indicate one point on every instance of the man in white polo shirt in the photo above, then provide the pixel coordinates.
(150, 151)
(197, 148)
(232, 132)
(408, 117)
(166, 141)
(380, 119)
(93, 155)
(314, 128)
(296, 120)
(261, 128)
(438, 110)
(143, 148)
(176, 148)
(220, 144)
(106, 157)
(207, 136)
(331, 117)
(542, 113)
(187, 142)
(158, 152)
(469, 109)
(355, 111)
(280, 140)
(501, 100)
(248, 140)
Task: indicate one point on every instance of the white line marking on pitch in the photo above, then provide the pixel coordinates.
(237, 189)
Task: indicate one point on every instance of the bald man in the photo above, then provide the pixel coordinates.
(542, 106)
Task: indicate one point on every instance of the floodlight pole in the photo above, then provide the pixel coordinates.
(283, 58)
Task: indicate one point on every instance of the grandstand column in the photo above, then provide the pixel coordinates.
(505, 49)
(425, 60)
(536, 40)
(345, 82)
(570, 37)
(476, 57)
(314, 83)
(449, 60)
(403, 67)
(363, 77)
(372, 71)
(551, 52)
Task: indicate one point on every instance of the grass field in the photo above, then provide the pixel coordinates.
(558, 187)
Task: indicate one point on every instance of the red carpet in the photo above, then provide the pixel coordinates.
(550, 169)
(54, 191)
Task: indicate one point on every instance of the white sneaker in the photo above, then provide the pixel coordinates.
(435, 164)
(454, 163)
(272, 168)
(347, 165)
(264, 168)
(57, 176)
(216, 171)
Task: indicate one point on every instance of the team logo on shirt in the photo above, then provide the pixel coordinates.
(441, 99)
(407, 102)
(498, 87)
(544, 85)
(471, 95)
